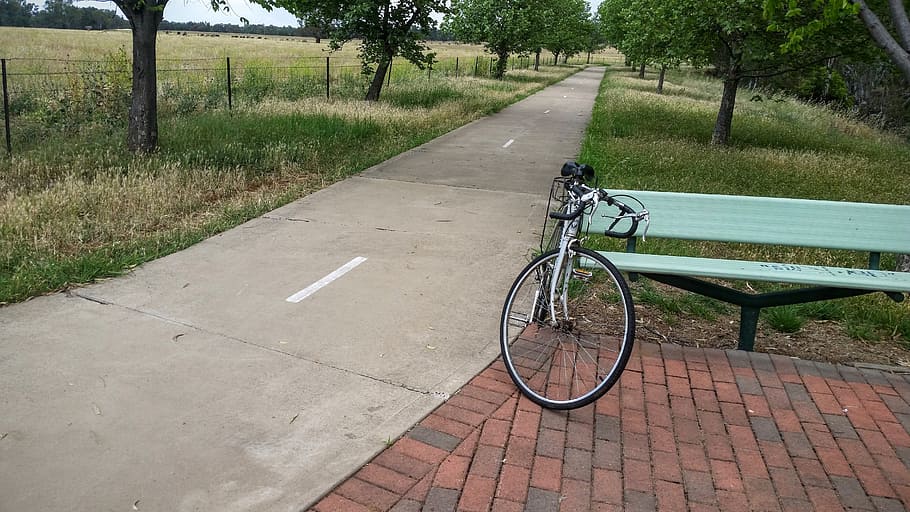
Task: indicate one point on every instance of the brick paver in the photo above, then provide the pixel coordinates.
(686, 429)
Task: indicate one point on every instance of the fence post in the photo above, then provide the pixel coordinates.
(456, 67)
(476, 61)
(9, 146)
(327, 77)
(230, 89)
(388, 79)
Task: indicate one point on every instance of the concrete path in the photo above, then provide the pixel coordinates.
(686, 429)
(193, 384)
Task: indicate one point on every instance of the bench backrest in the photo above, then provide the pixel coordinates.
(777, 221)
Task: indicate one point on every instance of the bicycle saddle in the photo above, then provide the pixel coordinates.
(583, 172)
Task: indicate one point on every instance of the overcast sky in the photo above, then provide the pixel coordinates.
(201, 10)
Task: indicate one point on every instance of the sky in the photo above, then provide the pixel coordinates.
(201, 10)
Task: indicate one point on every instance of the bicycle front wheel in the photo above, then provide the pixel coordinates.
(566, 349)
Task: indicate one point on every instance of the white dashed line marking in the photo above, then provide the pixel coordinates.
(507, 144)
(325, 281)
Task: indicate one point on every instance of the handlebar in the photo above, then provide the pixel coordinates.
(626, 212)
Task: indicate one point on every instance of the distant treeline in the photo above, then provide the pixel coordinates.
(203, 26)
(58, 14)
(63, 14)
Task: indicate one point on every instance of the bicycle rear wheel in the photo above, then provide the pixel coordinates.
(572, 360)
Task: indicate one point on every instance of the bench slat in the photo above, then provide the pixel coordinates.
(775, 221)
(876, 280)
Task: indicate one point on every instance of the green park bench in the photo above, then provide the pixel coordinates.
(832, 225)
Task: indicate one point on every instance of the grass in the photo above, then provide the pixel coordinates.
(638, 139)
(75, 206)
(674, 305)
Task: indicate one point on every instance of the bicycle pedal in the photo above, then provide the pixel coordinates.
(582, 274)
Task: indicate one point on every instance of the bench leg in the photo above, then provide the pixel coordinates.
(748, 325)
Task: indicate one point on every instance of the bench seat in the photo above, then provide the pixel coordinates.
(864, 279)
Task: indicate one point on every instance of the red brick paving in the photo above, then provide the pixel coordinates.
(685, 429)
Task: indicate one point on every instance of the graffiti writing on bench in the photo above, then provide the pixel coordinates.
(781, 267)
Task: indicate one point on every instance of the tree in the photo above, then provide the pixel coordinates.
(16, 13)
(504, 27)
(656, 32)
(144, 17)
(565, 27)
(596, 39)
(791, 18)
(386, 29)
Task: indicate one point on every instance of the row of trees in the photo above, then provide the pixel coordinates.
(57, 14)
(227, 28)
(506, 27)
(749, 39)
(386, 29)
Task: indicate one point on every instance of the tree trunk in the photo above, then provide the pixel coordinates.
(378, 79)
(142, 134)
(641, 71)
(724, 121)
(501, 63)
(537, 61)
(660, 79)
(899, 55)
(555, 58)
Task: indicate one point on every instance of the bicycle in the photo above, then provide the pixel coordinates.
(568, 323)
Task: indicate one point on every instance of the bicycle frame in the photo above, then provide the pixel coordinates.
(568, 237)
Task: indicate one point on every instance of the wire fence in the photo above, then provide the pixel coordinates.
(43, 96)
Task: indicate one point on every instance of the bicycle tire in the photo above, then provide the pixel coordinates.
(574, 362)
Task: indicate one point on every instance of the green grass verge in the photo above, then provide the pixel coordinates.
(638, 139)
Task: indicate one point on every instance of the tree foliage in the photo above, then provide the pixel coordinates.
(504, 27)
(508, 27)
(886, 22)
(564, 27)
(57, 14)
(386, 29)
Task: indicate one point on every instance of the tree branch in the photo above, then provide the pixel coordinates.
(759, 73)
(901, 23)
(898, 55)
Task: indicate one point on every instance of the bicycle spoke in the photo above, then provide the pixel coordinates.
(578, 357)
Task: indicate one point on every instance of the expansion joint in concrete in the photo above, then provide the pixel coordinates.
(156, 316)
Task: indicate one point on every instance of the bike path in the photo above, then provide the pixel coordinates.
(194, 384)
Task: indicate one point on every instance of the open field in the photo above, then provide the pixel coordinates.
(780, 147)
(40, 43)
